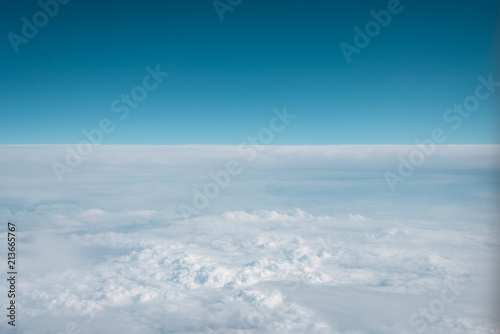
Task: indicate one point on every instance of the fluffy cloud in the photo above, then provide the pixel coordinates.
(305, 240)
(250, 272)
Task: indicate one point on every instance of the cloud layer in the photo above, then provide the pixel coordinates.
(305, 240)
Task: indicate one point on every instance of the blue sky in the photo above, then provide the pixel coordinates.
(225, 77)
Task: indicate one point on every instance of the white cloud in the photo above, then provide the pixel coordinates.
(256, 268)
(305, 240)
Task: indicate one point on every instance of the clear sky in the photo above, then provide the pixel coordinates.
(226, 76)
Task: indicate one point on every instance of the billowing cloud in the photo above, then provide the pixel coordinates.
(307, 240)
